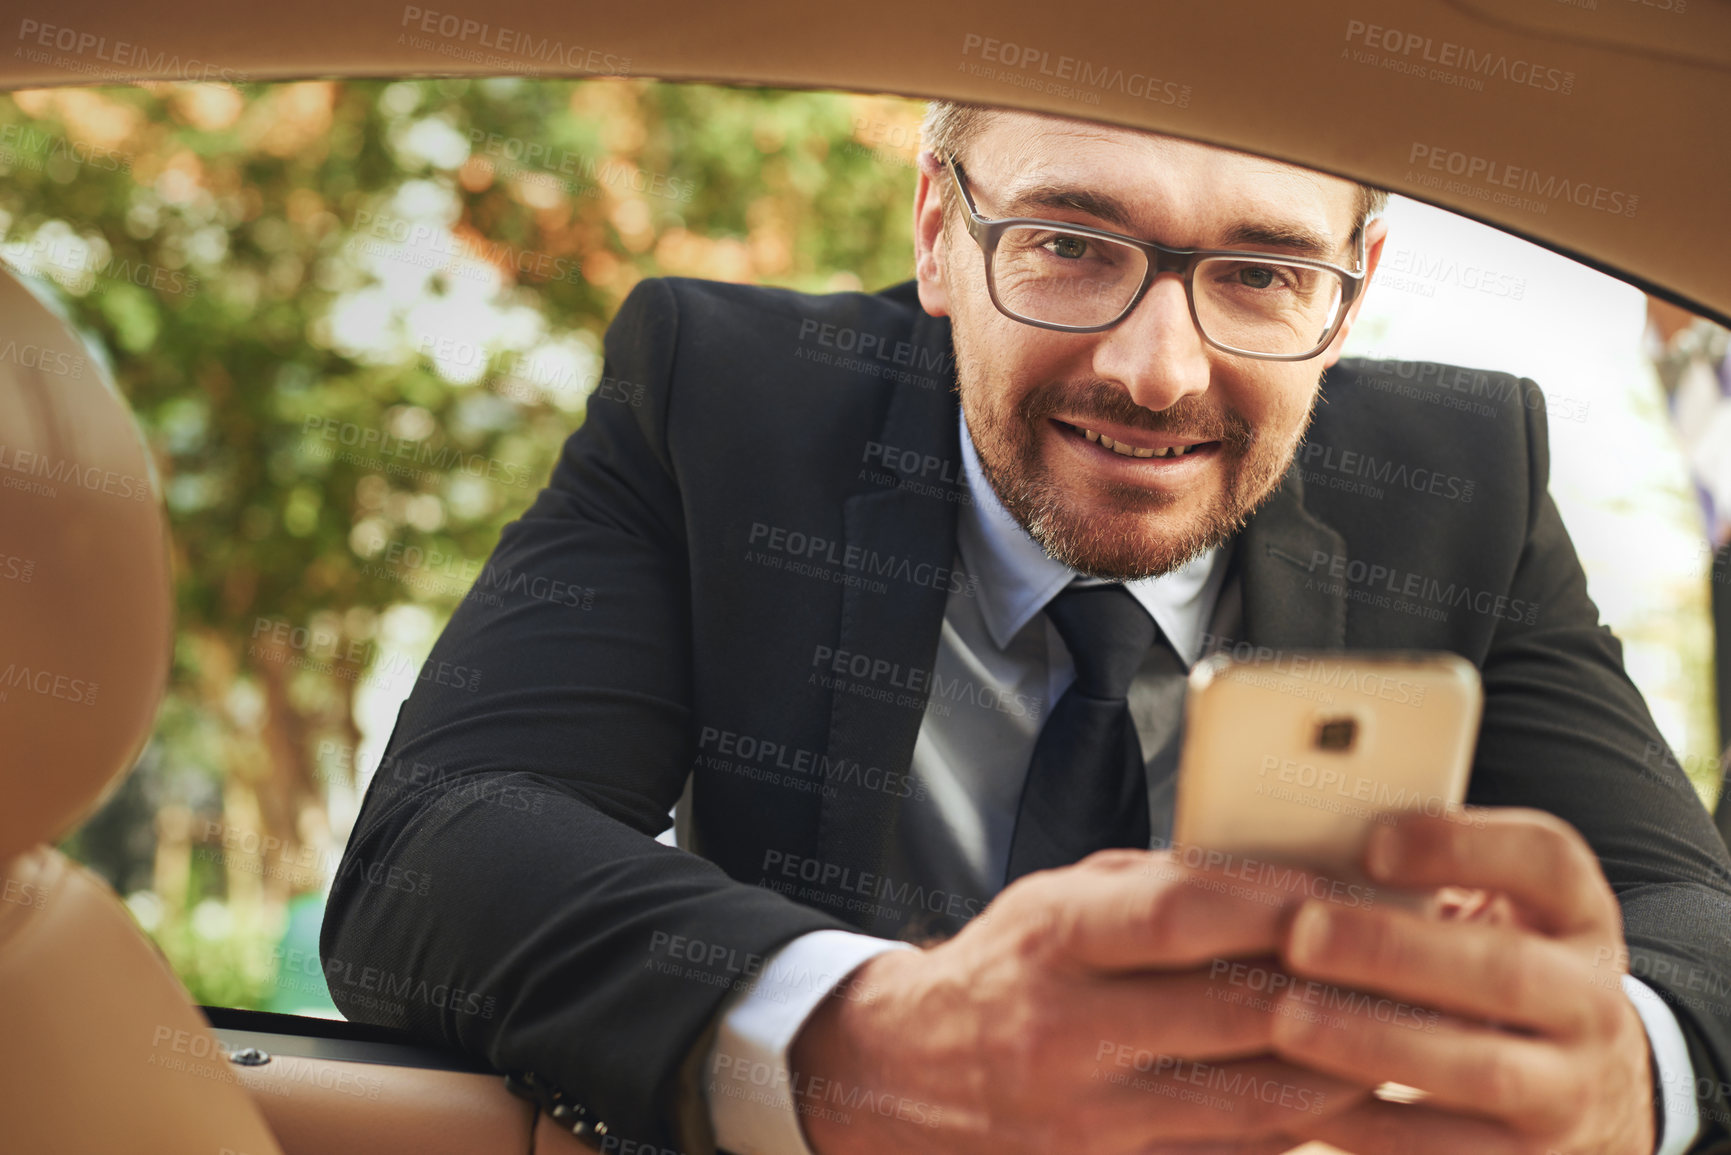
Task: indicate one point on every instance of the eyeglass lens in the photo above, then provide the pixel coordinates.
(1258, 305)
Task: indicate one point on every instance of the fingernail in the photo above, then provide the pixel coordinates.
(1309, 934)
(1382, 853)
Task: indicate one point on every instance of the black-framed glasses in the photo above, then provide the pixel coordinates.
(1077, 279)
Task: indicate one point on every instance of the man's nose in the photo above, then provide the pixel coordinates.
(1155, 353)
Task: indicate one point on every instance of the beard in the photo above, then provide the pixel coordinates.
(1146, 535)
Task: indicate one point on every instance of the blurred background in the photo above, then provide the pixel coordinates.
(357, 320)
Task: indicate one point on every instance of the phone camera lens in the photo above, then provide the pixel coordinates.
(1336, 733)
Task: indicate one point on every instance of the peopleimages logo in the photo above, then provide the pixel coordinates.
(430, 246)
(384, 448)
(1440, 269)
(80, 259)
(1390, 587)
(537, 159)
(465, 37)
(1386, 471)
(20, 143)
(38, 39)
(811, 554)
(1484, 178)
(1068, 75)
(812, 771)
(1457, 64)
(54, 361)
(832, 880)
(45, 472)
(47, 683)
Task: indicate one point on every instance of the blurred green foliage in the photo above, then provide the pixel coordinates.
(270, 270)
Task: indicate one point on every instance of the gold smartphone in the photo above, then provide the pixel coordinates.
(1295, 757)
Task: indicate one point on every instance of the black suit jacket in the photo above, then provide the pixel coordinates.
(766, 474)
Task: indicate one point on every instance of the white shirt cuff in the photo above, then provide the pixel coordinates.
(749, 1088)
(1671, 1067)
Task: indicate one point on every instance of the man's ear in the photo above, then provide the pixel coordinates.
(1375, 233)
(929, 255)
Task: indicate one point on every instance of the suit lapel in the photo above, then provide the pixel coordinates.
(871, 742)
(1285, 554)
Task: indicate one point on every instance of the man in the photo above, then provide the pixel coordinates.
(883, 645)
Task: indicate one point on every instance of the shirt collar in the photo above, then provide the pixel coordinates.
(1017, 577)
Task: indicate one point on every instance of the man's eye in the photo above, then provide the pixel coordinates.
(1257, 276)
(1071, 248)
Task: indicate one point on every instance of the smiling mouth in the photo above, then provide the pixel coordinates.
(1124, 449)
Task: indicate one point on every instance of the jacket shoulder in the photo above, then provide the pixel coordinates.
(1430, 470)
(724, 308)
(1409, 426)
(730, 343)
(1429, 404)
(784, 389)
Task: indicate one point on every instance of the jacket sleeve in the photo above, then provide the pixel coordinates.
(529, 772)
(1566, 731)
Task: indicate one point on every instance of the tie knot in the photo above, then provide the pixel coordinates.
(1108, 634)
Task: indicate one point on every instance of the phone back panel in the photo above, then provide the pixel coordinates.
(1297, 757)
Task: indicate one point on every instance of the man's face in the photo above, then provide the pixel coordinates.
(1039, 403)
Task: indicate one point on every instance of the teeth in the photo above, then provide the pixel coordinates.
(1132, 451)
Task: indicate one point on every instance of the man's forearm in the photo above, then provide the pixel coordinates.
(755, 1102)
(1673, 1075)
(849, 1046)
(569, 934)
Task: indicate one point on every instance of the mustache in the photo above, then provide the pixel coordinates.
(1188, 417)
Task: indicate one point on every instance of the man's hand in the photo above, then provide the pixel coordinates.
(1087, 1009)
(1538, 1049)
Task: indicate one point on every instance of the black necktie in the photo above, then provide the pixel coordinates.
(1086, 787)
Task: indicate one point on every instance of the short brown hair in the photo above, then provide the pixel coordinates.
(950, 124)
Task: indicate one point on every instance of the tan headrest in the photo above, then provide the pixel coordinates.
(85, 613)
